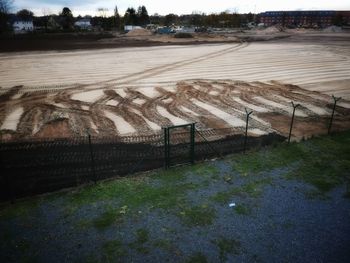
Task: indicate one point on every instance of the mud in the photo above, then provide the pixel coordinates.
(213, 105)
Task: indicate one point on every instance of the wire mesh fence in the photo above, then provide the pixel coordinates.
(34, 166)
(39, 166)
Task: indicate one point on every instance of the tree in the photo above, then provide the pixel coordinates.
(170, 19)
(130, 17)
(67, 19)
(116, 18)
(25, 14)
(5, 7)
(143, 17)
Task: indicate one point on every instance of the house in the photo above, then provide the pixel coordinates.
(128, 28)
(22, 26)
(84, 23)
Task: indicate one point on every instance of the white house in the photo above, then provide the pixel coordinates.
(22, 26)
(128, 28)
(83, 23)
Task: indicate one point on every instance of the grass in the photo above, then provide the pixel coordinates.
(268, 159)
(198, 215)
(243, 209)
(142, 237)
(251, 189)
(321, 162)
(326, 163)
(107, 218)
(197, 258)
(113, 250)
(227, 246)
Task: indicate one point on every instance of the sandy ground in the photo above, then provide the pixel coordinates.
(136, 90)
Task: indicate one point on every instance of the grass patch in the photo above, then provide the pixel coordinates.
(227, 246)
(113, 250)
(142, 237)
(243, 210)
(21, 209)
(107, 218)
(251, 189)
(197, 258)
(134, 192)
(198, 215)
(326, 164)
(164, 244)
(268, 158)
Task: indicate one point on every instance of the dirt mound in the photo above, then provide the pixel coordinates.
(333, 29)
(124, 111)
(270, 30)
(139, 32)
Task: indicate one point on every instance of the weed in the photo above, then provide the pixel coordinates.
(142, 236)
(163, 244)
(106, 219)
(243, 210)
(227, 246)
(113, 250)
(197, 258)
(251, 189)
(198, 215)
(268, 158)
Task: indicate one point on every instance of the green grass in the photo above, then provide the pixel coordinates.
(142, 237)
(227, 246)
(113, 250)
(251, 189)
(198, 215)
(326, 164)
(243, 209)
(197, 258)
(268, 159)
(107, 218)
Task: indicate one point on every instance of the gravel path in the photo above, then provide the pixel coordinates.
(279, 221)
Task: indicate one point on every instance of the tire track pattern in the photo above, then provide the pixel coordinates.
(134, 112)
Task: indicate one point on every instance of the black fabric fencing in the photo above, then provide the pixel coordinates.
(40, 166)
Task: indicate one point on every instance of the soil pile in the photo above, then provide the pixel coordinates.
(139, 32)
(333, 29)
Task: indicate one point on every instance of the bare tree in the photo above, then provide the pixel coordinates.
(5, 6)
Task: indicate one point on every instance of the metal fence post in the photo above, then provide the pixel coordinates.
(331, 121)
(291, 124)
(92, 159)
(246, 129)
(165, 148)
(193, 129)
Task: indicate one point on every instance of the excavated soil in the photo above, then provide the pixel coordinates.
(131, 111)
(137, 91)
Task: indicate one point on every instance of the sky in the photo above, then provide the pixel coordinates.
(89, 7)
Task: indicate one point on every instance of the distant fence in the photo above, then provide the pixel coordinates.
(40, 166)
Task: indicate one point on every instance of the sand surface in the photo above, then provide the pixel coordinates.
(134, 91)
(311, 66)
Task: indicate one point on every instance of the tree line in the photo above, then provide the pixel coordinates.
(137, 17)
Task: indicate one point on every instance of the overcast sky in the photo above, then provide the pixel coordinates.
(83, 7)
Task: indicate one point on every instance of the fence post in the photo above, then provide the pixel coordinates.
(193, 131)
(165, 148)
(92, 158)
(291, 124)
(246, 129)
(331, 121)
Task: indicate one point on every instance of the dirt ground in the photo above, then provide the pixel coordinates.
(137, 91)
